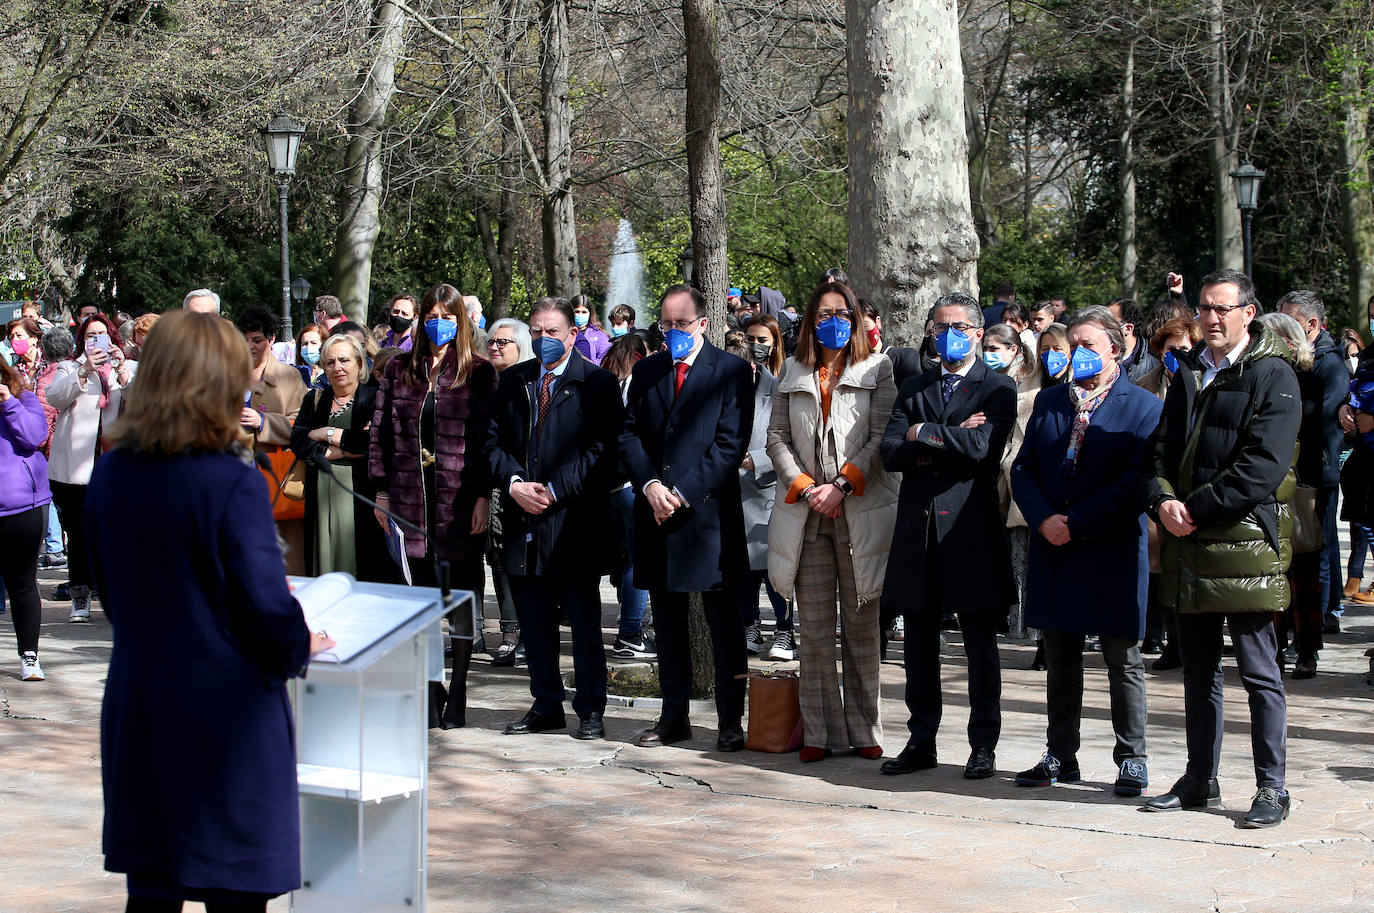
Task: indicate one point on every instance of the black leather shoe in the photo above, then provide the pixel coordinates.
(1188, 792)
(537, 722)
(591, 727)
(982, 763)
(665, 732)
(1268, 809)
(731, 738)
(914, 757)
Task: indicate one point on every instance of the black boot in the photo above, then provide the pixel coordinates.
(1038, 664)
(455, 713)
(437, 698)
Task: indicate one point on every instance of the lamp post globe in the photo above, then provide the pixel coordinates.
(1247, 179)
(688, 258)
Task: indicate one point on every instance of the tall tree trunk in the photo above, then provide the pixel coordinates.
(498, 239)
(361, 195)
(1357, 205)
(1225, 133)
(706, 200)
(911, 235)
(979, 172)
(1126, 180)
(705, 174)
(560, 223)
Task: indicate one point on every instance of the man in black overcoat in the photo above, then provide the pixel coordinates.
(949, 550)
(556, 419)
(689, 414)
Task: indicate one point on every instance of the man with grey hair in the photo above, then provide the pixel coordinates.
(1319, 457)
(946, 436)
(201, 301)
(328, 312)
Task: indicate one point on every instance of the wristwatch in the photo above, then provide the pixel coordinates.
(843, 484)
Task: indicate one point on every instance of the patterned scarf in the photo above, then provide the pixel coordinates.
(1085, 404)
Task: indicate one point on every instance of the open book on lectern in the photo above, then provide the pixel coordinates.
(361, 616)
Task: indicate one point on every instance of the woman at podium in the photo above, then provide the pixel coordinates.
(197, 742)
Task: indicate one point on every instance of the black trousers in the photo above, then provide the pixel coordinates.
(71, 510)
(1064, 694)
(921, 653)
(536, 605)
(21, 538)
(1200, 641)
(675, 653)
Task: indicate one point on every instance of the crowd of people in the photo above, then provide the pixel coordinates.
(1130, 479)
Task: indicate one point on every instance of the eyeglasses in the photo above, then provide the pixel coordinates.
(961, 327)
(500, 343)
(666, 325)
(846, 316)
(1221, 310)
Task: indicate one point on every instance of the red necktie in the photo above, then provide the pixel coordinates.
(681, 376)
(544, 399)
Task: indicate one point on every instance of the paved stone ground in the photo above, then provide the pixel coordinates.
(550, 823)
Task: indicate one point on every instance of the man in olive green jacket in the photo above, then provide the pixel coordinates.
(1224, 456)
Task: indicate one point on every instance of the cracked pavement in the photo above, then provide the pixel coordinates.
(546, 822)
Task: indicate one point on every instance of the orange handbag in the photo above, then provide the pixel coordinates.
(283, 508)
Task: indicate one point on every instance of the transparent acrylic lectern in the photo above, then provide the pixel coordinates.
(361, 741)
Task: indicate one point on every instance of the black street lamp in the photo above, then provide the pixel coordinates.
(1247, 178)
(300, 293)
(688, 259)
(283, 139)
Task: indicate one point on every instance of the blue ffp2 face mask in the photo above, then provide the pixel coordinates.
(548, 350)
(1055, 362)
(833, 333)
(441, 332)
(953, 345)
(679, 342)
(1086, 363)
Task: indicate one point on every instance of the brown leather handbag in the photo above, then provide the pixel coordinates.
(284, 507)
(775, 722)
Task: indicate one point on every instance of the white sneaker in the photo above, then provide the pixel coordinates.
(30, 671)
(753, 639)
(898, 629)
(782, 646)
(81, 614)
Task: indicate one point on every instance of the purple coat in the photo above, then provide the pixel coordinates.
(592, 343)
(462, 422)
(23, 468)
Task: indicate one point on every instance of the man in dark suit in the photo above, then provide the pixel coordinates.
(688, 420)
(555, 422)
(949, 550)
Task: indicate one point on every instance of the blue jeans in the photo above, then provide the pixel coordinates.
(1361, 540)
(52, 543)
(1330, 568)
(749, 601)
(634, 603)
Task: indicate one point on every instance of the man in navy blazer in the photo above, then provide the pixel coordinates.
(688, 418)
(948, 429)
(555, 422)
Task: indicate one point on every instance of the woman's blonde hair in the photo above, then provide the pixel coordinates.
(354, 346)
(188, 393)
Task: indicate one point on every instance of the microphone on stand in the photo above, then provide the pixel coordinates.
(441, 566)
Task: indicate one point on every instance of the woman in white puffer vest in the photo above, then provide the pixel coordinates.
(831, 533)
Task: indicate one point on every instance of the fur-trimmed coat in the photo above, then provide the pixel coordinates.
(462, 423)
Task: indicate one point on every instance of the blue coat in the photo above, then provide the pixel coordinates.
(1097, 583)
(197, 742)
(695, 443)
